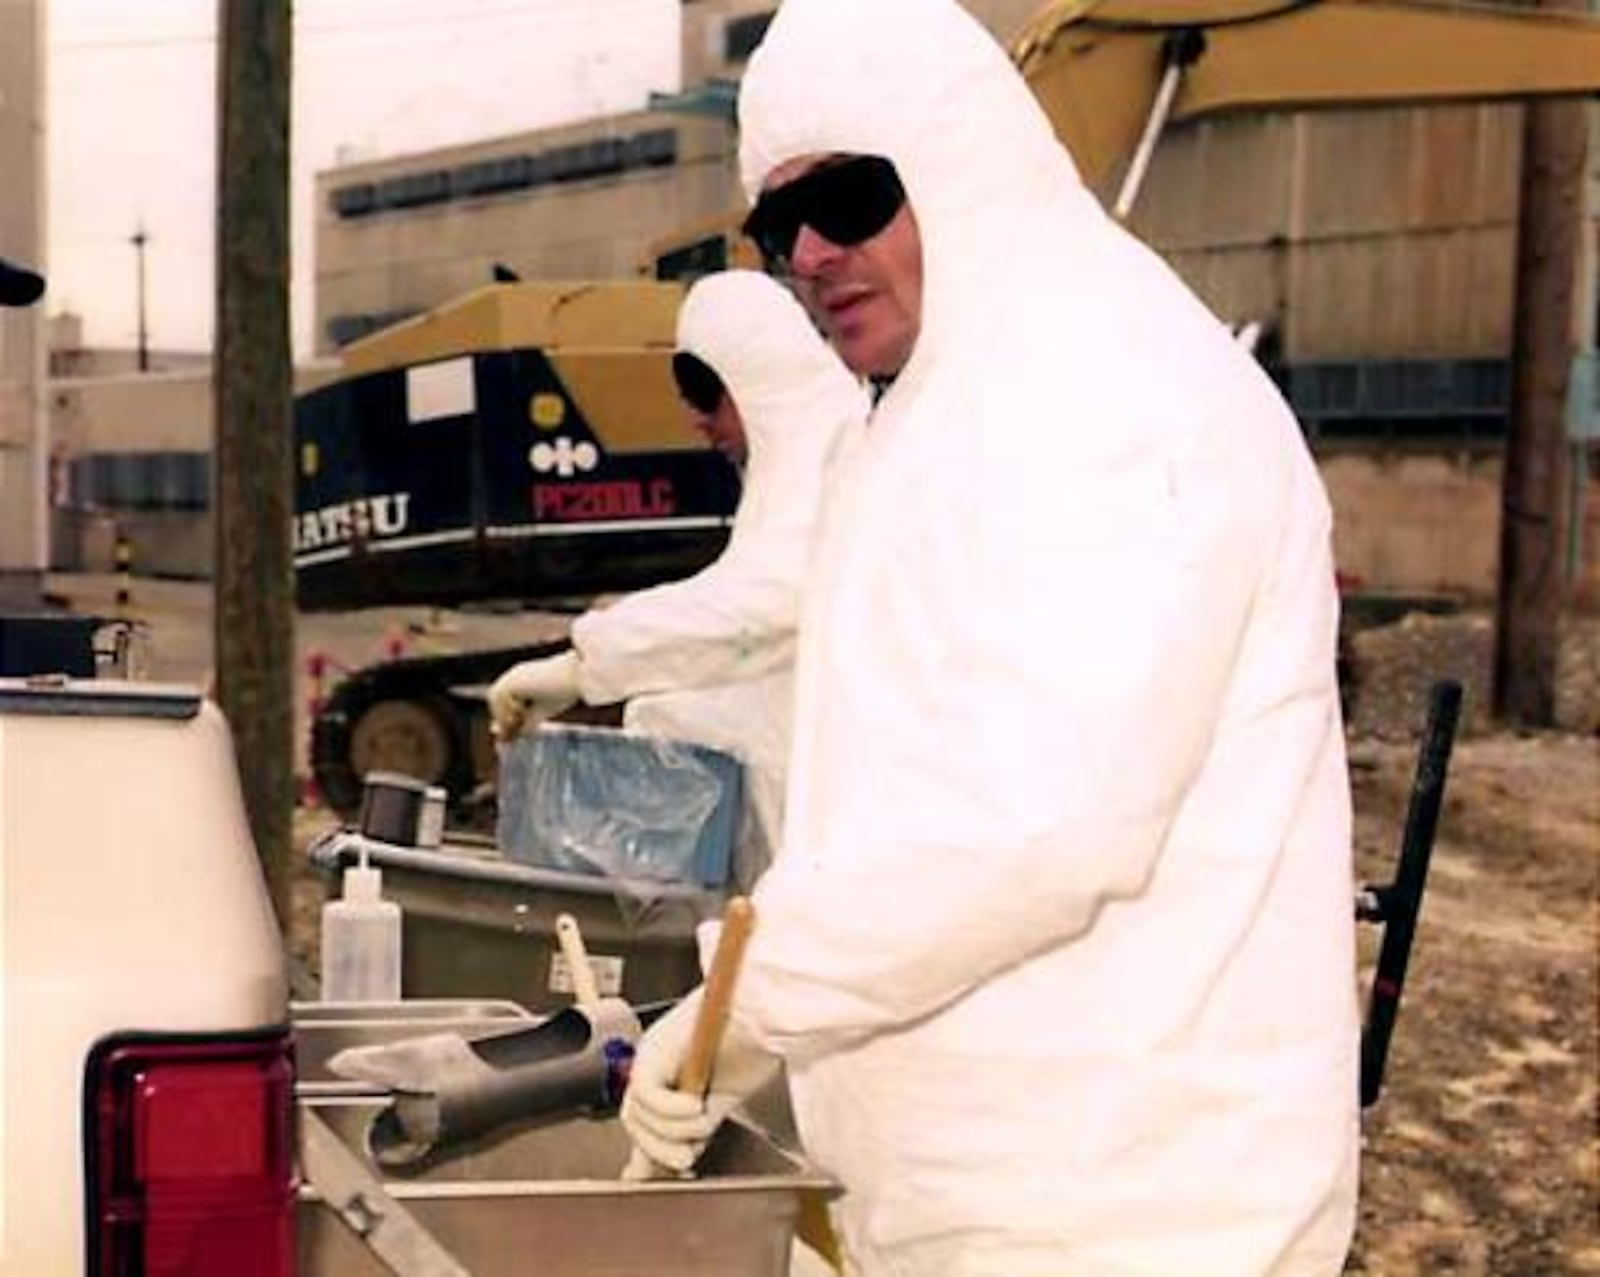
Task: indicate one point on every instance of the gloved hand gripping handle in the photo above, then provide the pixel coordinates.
(695, 1072)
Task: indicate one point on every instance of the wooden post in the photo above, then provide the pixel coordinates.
(253, 617)
(1535, 491)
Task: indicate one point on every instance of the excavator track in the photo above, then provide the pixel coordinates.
(421, 716)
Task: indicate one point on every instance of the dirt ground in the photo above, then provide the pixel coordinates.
(1480, 1156)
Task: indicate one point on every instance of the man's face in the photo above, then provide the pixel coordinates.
(866, 296)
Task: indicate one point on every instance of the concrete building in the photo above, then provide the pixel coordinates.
(395, 237)
(130, 455)
(22, 340)
(131, 461)
(591, 200)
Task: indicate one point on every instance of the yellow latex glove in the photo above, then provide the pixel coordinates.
(528, 693)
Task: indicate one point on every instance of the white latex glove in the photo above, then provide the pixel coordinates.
(669, 1129)
(527, 694)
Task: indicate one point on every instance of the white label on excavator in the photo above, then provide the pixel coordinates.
(607, 974)
(436, 391)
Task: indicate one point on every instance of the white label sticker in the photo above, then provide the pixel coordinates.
(607, 974)
(434, 391)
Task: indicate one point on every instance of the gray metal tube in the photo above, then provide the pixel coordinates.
(448, 1090)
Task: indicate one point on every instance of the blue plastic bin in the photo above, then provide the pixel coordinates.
(601, 800)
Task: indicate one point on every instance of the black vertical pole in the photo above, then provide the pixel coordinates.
(1401, 902)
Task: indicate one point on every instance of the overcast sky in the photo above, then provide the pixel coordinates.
(131, 122)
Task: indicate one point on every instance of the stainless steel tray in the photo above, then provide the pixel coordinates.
(548, 1201)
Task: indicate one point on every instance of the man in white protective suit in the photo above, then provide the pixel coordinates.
(709, 659)
(1059, 943)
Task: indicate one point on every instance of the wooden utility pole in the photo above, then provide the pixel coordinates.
(24, 433)
(253, 617)
(1535, 489)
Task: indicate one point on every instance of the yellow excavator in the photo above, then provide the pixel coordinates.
(1112, 74)
(525, 441)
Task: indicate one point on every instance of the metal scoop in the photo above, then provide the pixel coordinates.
(449, 1089)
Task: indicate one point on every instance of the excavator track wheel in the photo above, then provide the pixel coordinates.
(407, 736)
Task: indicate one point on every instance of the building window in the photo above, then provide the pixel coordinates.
(412, 189)
(703, 257)
(578, 161)
(344, 329)
(139, 481)
(651, 149)
(353, 201)
(486, 177)
(740, 37)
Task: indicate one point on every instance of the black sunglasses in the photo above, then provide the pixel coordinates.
(846, 201)
(699, 386)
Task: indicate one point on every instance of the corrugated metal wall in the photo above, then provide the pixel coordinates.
(1379, 233)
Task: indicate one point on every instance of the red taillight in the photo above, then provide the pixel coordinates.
(190, 1148)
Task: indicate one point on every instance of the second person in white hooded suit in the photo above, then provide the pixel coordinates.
(1059, 946)
(710, 658)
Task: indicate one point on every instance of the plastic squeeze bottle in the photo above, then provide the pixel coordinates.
(361, 940)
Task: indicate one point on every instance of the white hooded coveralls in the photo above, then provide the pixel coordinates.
(709, 659)
(1059, 944)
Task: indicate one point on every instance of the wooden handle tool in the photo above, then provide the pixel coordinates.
(695, 1075)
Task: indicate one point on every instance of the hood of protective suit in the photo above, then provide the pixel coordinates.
(735, 620)
(1065, 696)
(791, 392)
(927, 87)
